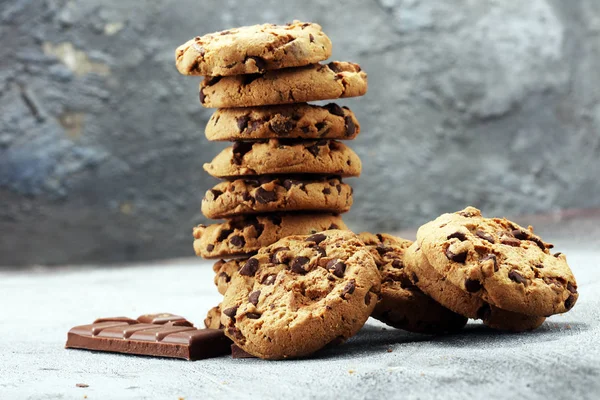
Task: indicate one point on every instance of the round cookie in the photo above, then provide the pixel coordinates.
(278, 156)
(252, 49)
(401, 304)
(300, 294)
(504, 264)
(299, 121)
(213, 318)
(462, 302)
(335, 80)
(245, 235)
(271, 193)
(224, 270)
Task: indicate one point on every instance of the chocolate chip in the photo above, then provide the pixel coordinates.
(333, 66)
(516, 277)
(459, 258)
(320, 126)
(274, 259)
(472, 285)
(338, 188)
(224, 234)
(571, 288)
(230, 312)
(485, 312)
(269, 279)
(457, 235)
(288, 183)
(249, 78)
(538, 241)
(236, 333)
(557, 254)
(317, 238)
(212, 80)
(282, 127)
(539, 266)
(381, 249)
(202, 96)
(260, 62)
(242, 122)
(334, 109)
(326, 191)
(510, 241)
(250, 267)
(350, 127)
(210, 247)
(569, 302)
(333, 226)
(275, 219)
(223, 275)
(237, 241)
(239, 150)
(311, 37)
(336, 267)
(349, 288)
(485, 236)
(368, 298)
(414, 278)
(520, 234)
(298, 263)
(264, 196)
(253, 297)
(246, 196)
(397, 264)
(305, 129)
(314, 150)
(252, 315)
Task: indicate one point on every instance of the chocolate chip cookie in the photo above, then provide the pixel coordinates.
(465, 303)
(213, 318)
(284, 86)
(245, 235)
(501, 262)
(253, 49)
(300, 121)
(279, 156)
(272, 193)
(401, 304)
(300, 294)
(224, 270)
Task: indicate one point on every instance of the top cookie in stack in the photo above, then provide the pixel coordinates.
(283, 173)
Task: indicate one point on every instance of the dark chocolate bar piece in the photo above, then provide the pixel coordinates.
(159, 335)
(238, 352)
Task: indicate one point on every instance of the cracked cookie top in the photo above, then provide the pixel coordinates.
(300, 294)
(253, 49)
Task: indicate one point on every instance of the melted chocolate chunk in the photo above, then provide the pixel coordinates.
(282, 127)
(510, 241)
(368, 298)
(210, 247)
(520, 234)
(459, 258)
(569, 302)
(571, 288)
(252, 315)
(317, 238)
(249, 78)
(237, 241)
(485, 236)
(350, 127)
(334, 109)
(397, 264)
(457, 235)
(314, 150)
(326, 191)
(239, 150)
(224, 234)
(298, 263)
(336, 267)
(516, 277)
(491, 257)
(349, 288)
(472, 285)
(274, 259)
(250, 267)
(253, 297)
(230, 312)
(242, 122)
(264, 196)
(216, 193)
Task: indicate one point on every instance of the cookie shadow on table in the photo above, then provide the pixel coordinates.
(376, 339)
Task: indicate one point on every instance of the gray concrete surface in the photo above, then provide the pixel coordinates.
(490, 102)
(560, 360)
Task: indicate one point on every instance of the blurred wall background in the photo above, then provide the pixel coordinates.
(493, 103)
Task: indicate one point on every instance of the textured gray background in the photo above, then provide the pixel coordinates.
(491, 103)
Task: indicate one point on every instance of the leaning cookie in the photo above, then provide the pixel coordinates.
(294, 121)
(278, 156)
(504, 264)
(224, 270)
(265, 194)
(285, 86)
(300, 294)
(246, 235)
(253, 49)
(462, 302)
(401, 304)
(213, 318)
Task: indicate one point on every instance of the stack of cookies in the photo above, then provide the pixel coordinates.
(490, 269)
(283, 173)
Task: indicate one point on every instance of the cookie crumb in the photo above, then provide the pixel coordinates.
(82, 385)
(351, 371)
(389, 350)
